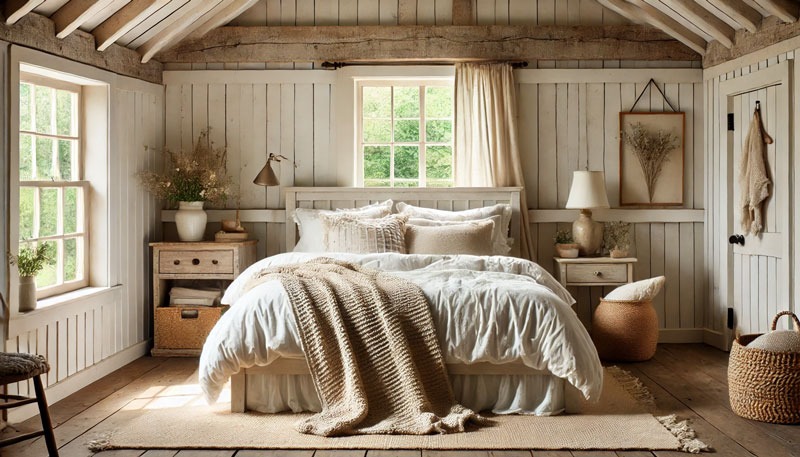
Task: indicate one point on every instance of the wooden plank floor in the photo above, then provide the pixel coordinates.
(687, 380)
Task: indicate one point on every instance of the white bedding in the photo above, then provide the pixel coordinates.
(486, 309)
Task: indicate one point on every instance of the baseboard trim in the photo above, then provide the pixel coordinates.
(715, 338)
(680, 335)
(82, 379)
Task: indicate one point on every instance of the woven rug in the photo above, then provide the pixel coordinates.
(176, 418)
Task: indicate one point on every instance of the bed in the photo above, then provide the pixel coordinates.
(525, 352)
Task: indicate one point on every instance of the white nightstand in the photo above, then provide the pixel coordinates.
(594, 271)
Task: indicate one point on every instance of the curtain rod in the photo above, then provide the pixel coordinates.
(335, 65)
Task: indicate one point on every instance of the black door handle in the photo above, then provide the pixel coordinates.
(736, 239)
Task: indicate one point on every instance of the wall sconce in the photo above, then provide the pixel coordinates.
(266, 177)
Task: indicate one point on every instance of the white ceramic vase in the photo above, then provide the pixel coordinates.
(191, 221)
(27, 293)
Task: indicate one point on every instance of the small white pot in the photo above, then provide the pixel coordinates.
(27, 293)
(191, 221)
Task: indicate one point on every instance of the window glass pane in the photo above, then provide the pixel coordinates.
(24, 106)
(439, 101)
(44, 158)
(440, 183)
(44, 105)
(439, 162)
(406, 131)
(377, 183)
(438, 131)
(377, 102)
(406, 101)
(25, 213)
(406, 162)
(71, 209)
(377, 162)
(377, 130)
(48, 211)
(25, 157)
(70, 259)
(65, 148)
(406, 184)
(64, 102)
(47, 277)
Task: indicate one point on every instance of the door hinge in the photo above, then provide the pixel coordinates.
(730, 122)
(730, 318)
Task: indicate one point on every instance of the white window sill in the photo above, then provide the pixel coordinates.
(60, 306)
(67, 297)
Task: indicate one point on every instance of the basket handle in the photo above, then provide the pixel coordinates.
(786, 313)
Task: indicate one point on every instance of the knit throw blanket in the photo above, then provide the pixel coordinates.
(372, 350)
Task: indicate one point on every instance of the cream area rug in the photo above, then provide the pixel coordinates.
(177, 418)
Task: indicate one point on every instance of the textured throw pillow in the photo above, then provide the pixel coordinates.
(309, 222)
(348, 233)
(644, 290)
(499, 239)
(501, 209)
(473, 238)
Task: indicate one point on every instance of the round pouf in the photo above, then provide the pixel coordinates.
(625, 331)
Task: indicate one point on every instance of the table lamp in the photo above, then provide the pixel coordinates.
(588, 191)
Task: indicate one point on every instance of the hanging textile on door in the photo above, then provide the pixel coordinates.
(755, 183)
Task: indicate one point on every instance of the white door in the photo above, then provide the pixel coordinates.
(758, 267)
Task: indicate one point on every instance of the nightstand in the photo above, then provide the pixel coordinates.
(594, 271)
(181, 331)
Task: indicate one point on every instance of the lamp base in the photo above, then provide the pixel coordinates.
(587, 233)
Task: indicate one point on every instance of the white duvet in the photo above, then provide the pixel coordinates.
(486, 309)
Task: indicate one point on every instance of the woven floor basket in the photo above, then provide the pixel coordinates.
(764, 385)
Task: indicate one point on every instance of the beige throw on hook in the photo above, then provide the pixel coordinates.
(372, 350)
(754, 180)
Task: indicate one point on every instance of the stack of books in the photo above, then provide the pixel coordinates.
(184, 297)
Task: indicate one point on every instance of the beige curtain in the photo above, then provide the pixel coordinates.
(486, 144)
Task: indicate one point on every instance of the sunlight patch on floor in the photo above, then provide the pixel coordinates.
(174, 396)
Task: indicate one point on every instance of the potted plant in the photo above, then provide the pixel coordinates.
(191, 179)
(30, 261)
(617, 238)
(565, 245)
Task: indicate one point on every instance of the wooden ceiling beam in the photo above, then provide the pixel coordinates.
(186, 16)
(74, 13)
(745, 15)
(704, 20)
(786, 10)
(121, 22)
(15, 9)
(431, 43)
(641, 11)
(218, 17)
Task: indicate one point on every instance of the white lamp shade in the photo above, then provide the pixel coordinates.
(588, 190)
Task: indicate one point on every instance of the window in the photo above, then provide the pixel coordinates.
(52, 194)
(406, 133)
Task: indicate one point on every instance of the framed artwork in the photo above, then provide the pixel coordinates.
(651, 149)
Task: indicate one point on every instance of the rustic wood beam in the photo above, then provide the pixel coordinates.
(38, 32)
(217, 17)
(785, 10)
(741, 12)
(462, 12)
(186, 16)
(772, 31)
(121, 22)
(15, 9)
(447, 43)
(704, 20)
(74, 13)
(639, 10)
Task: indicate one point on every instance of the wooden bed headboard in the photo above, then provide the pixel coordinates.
(448, 198)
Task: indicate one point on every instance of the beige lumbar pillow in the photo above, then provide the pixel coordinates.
(472, 238)
(499, 239)
(349, 233)
(644, 290)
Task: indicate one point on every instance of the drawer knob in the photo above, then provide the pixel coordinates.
(215, 261)
(598, 273)
(195, 261)
(176, 262)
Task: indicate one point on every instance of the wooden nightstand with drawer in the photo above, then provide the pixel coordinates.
(594, 271)
(181, 331)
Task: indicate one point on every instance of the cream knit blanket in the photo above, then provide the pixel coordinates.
(372, 351)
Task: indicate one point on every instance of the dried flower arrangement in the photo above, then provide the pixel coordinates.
(192, 176)
(617, 235)
(652, 149)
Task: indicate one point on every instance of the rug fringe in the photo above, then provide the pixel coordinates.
(99, 444)
(633, 386)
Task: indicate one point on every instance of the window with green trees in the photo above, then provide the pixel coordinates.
(406, 133)
(52, 193)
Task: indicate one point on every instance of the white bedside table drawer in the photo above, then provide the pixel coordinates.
(597, 273)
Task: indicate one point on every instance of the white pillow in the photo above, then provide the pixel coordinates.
(309, 223)
(347, 233)
(644, 290)
(499, 239)
(470, 238)
(501, 209)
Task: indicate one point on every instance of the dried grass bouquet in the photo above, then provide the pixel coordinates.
(652, 149)
(192, 176)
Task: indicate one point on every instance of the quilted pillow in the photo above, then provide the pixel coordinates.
(309, 222)
(348, 233)
(472, 238)
(644, 290)
(499, 239)
(501, 209)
